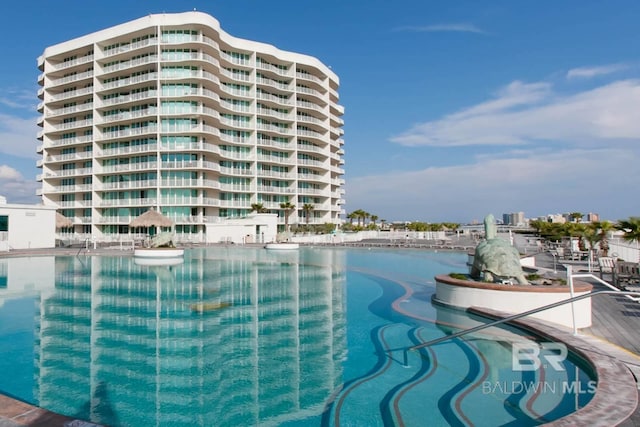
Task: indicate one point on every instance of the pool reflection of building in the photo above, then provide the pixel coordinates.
(272, 355)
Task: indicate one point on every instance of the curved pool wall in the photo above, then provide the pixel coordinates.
(517, 299)
(316, 336)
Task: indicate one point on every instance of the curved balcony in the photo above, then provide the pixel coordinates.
(71, 79)
(128, 81)
(267, 142)
(311, 92)
(72, 94)
(310, 78)
(74, 109)
(233, 155)
(307, 105)
(311, 177)
(67, 173)
(71, 125)
(70, 141)
(129, 167)
(239, 124)
(233, 60)
(132, 63)
(272, 112)
(128, 185)
(108, 53)
(190, 165)
(266, 66)
(275, 190)
(188, 94)
(189, 75)
(274, 128)
(125, 99)
(274, 100)
(72, 63)
(189, 183)
(275, 84)
(127, 151)
(123, 202)
(265, 173)
(189, 201)
(236, 108)
(128, 116)
(235, 171)
(310, 148)
(310, 134)
(173, 57)
(235, 139)
(83, 155)
(125, 133)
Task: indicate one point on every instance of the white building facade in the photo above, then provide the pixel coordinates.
(169, 111)
(26, 226)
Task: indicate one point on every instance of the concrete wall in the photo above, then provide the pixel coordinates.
(257, 228)
(30, 227)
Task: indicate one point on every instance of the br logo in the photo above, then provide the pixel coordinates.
(530, 356)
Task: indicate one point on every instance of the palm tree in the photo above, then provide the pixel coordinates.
(360, 215)
(604, 227)
(374, 218)
(288, 208)
(631, 228)
(307, 208)
(259, 208)
(351, 217)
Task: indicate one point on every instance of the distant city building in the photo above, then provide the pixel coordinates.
(170, 112)
(516, 219)
(593, 217)
(557, 218)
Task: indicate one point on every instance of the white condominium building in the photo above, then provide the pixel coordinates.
(170, 112)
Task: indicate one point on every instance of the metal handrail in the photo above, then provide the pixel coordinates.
(517, 316)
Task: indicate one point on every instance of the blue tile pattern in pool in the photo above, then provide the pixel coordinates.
(241, 336)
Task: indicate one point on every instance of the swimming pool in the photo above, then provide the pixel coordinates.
(241, 336)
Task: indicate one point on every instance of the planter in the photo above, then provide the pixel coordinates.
(158, 253)
(282, 246)
(516, 299)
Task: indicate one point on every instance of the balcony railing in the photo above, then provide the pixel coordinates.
(70, 110)
(72, 78)
(131, 63)
(129, 98)
(73, 63)
(72, 94)
(152, 41)
(70, 141)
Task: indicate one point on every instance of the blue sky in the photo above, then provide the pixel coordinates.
(454, 109)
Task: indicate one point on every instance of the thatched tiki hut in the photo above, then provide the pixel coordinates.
(153, 218)
(62, 221)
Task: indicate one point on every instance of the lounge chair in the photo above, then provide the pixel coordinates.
(607, 265)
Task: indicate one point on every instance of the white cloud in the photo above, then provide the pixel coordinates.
(18, 136)
(16, 188)
(523, 113)
(590, 72)
(460, 28)
(9, 173)
(537, 183)
(17, 98)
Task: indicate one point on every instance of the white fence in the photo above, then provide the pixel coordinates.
(628, 251)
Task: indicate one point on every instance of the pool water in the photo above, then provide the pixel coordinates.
(241, 336)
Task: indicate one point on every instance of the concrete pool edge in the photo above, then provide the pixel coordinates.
(616, 396)
(16, 413)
